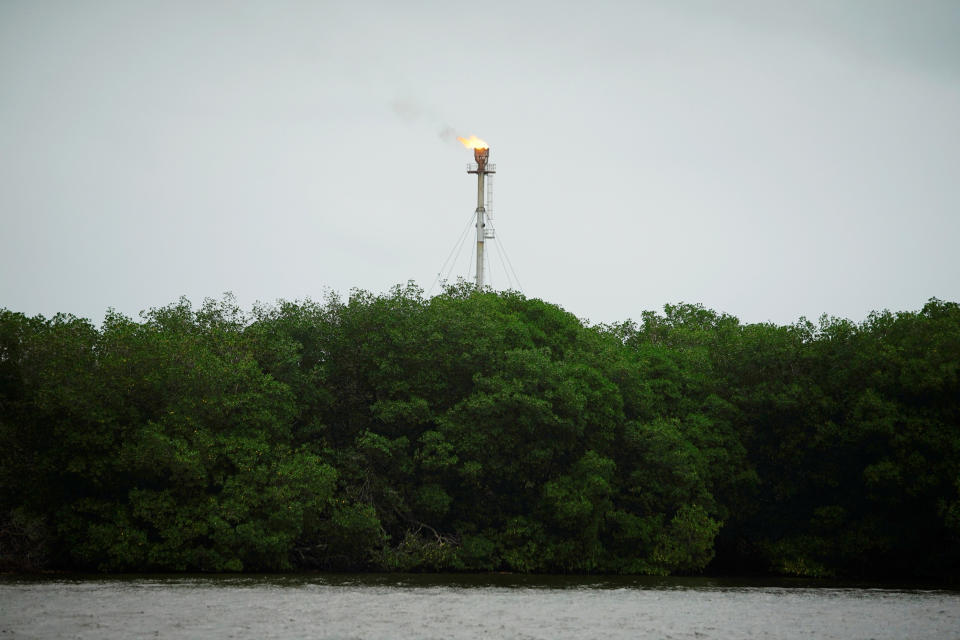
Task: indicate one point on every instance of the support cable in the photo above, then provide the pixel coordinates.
(509, 262)
(502, 264)
(473, 256)
(457, 247)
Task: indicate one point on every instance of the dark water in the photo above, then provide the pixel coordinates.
(391, 606)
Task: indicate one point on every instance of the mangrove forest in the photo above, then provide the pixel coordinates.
(479, 431)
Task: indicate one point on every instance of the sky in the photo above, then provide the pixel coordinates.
(769, 159)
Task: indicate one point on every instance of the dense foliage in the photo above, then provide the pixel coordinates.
(479, 431)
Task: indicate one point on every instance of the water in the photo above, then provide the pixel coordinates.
(487, 606)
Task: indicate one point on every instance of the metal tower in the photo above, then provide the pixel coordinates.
(482, 169)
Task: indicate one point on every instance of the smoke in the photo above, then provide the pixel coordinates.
(407, 111)
(414, 113)
(448, 134)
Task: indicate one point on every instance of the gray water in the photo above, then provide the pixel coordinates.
(487, 606)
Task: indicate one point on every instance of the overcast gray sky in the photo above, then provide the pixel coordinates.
(766, 158)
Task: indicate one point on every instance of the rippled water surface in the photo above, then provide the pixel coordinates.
(378, 606)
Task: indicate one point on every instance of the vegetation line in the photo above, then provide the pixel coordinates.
(479, 431)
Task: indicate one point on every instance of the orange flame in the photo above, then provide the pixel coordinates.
(473, 142)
